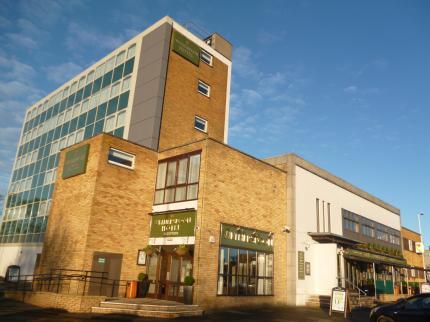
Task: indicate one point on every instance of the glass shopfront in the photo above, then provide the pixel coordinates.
(245, 262)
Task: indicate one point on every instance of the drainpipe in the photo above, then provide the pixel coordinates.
(407, 281)
(374, 277)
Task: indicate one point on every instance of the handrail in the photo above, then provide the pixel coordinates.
(354, 287)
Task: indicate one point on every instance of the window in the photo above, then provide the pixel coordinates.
(131, 51)
(381, 235)
(121, 158)
(244, 272)
(204, 88)
(350, 224)
(120, 58)
(200, 124)
(411, 245)
(177, 179)
(367, 230)
(206, 57)
(126, 84)
(110, 123)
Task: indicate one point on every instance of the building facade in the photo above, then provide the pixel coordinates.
(163, 88)
(201, 202)
(413, 252)
(130, 160)
(340, 235)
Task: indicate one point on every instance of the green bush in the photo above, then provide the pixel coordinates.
(189, 280)
(142, 276)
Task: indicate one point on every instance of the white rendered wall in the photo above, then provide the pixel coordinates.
(23, 256)
(323, 260)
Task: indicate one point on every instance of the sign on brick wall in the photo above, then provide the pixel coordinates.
(177, 224)
(243, 237)
(185, 47)
(75, 162)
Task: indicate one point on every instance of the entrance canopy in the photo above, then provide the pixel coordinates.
(363, 256)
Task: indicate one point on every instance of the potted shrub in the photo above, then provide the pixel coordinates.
(181, 250)
(143, 285)
(188, 289)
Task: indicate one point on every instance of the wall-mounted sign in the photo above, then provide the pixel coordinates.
(176, 224)
(101, 260)
(242, 237)
(419, 248)
(301, 265)
(185, 47)
(75, 162)
(307, 268)
(141, 257)
(338, 301)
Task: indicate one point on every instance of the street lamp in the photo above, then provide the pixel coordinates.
(422, 244)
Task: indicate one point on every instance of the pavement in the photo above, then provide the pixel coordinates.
(15, 311)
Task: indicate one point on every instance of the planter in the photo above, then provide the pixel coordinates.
(181, 251)
(143, 288)
(188, 294)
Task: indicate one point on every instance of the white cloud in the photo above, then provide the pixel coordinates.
(81, 36)
(350, 89)
(63, 72)
(20, 39)
(269, 38)
(244, 65)
(266, 104)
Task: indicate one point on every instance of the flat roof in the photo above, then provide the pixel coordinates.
(299, 161)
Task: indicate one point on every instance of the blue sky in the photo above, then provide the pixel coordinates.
(345, 84)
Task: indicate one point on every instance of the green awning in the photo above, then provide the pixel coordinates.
(363, 256)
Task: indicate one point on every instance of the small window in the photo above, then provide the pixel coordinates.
(120, 58)
(204, 88)
(206, 57)
(131, 51)
(200, 124)
(90, 77)
(120, 158)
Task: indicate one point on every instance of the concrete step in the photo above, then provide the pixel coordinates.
(146, 306)
(147, 312)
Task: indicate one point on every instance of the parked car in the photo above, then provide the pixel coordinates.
(412, 309)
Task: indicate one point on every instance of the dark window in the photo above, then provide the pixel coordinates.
(121, 158)
(245, 272)
(200, 124)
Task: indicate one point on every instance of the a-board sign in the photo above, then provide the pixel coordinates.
(339, 300)
(425, 288)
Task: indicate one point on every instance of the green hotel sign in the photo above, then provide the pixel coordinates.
(243, 237)
(185, 47)
(176, 224)
(75, 161)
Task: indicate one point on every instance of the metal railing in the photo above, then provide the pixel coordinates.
(66, 281)
(354, 286)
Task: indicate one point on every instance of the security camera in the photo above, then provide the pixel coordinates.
(286, 229)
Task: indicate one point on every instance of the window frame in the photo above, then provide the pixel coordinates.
(174, 186)
(200, 82)
(210, 61)
(133, 160)
(198, 118)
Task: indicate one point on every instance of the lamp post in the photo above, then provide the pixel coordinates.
(422, 244)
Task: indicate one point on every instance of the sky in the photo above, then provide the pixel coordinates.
(344, 84)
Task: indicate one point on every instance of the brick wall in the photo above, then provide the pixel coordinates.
(237, 189)
(182, 101)
(71, 303)
(106, 209)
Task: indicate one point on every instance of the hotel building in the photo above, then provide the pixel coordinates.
(136, 176)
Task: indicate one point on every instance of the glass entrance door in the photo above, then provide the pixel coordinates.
(173, 270)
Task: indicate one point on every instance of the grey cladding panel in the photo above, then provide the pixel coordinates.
(148, 98)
